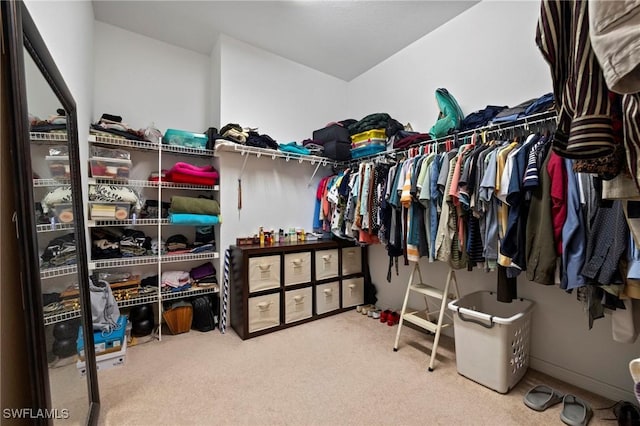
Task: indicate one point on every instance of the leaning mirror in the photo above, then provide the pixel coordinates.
(50, 222)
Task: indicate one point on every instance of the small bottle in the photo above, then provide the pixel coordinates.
(261, 237)
(281, 236)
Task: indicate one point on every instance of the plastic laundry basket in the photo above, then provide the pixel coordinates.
(492, 339)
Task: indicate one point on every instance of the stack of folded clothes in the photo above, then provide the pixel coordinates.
(194, 211)
(112, 125)
(60, 251)
(175, 280)
(294, 148)
(55, 123)
(179, 244)
(194, 175)
(114, 242)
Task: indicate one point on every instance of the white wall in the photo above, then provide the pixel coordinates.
(67, 30)
(487, 55)
(214, 97)
(145, 80)
(287, 101)
(282, 98)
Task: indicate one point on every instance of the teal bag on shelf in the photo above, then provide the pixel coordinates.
(450, 115)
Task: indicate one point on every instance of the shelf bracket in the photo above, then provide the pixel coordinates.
(313, 175)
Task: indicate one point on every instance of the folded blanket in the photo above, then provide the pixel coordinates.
(188, 173)
(193, 219)
(194, 205)
(294, 148)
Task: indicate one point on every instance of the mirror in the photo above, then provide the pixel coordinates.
(51, 228)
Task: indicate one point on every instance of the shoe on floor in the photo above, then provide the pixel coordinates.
(541, 397)
(575, 411)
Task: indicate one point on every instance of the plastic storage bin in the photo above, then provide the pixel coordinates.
(185, 139)
(63, 213)
(99, 210)
(59, 166)
(492, 339)
(109, 168)
(369, 135)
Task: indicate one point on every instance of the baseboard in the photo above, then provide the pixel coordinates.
(603, 389)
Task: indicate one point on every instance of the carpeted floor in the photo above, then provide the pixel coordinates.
(338, 370)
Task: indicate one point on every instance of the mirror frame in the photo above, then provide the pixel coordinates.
(20, 33)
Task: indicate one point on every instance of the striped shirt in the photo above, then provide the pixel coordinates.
(584, 109)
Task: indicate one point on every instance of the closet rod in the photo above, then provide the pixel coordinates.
(491, 128)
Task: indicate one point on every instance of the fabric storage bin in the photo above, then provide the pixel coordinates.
(337, 150)
(297, 268)
(185, 139)
(109, 168)
(331, 133)
(492, 339)
(264, 312)
(326, 264)
(327, 297)
(105, 211)
(298, 304)
(351, 260)
(59, 166)
(352, 292)
(264, 273)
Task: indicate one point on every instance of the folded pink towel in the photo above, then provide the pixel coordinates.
(188, 173)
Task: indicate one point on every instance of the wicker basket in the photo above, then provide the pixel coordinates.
(178, 319)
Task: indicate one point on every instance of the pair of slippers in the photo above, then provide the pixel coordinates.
(575, 411)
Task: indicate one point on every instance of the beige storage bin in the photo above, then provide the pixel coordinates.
(297, 268)
(264, 273)
(352, 292)
(326, 264)
(298, 304)
(327, 297)
(264, 312)
(351, 260)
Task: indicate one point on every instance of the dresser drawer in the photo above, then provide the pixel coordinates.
(264, 273)
(351, 260)
(264, 312)
(352, 292)
(298, 304)
(297, 268)
(327, 297)
(326, 264)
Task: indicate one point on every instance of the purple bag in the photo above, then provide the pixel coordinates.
(202, 272)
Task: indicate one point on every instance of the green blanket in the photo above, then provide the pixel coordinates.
(194, 205)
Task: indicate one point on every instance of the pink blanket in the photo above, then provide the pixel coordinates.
(188, 173)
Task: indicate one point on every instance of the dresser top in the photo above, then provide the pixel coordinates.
(290, 247)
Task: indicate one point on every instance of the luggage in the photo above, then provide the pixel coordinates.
(205, 316)
(332, 133)
(337, 150)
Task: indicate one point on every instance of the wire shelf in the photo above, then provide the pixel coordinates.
(151, 184)
(272, 153)
(128, 222)
(147, 146)
(193, 291)
(46, 138)
(139, 300)
(149, 260)
(50, 182)
(56, 317)
(58, 271)
(48, 227)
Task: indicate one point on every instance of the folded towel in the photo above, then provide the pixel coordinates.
(194, 205)
(188, 173)
(193, 219)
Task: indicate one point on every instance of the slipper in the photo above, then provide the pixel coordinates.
(575, 411)
(542, 397)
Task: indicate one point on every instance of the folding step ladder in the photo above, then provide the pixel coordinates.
(424, 318)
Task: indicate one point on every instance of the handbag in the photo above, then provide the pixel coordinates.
(104, 309)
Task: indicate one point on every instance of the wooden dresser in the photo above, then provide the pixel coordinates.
(278, 286)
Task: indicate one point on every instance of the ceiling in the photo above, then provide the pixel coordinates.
(340, 38)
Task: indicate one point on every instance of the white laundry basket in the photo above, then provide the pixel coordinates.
(492, 339)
